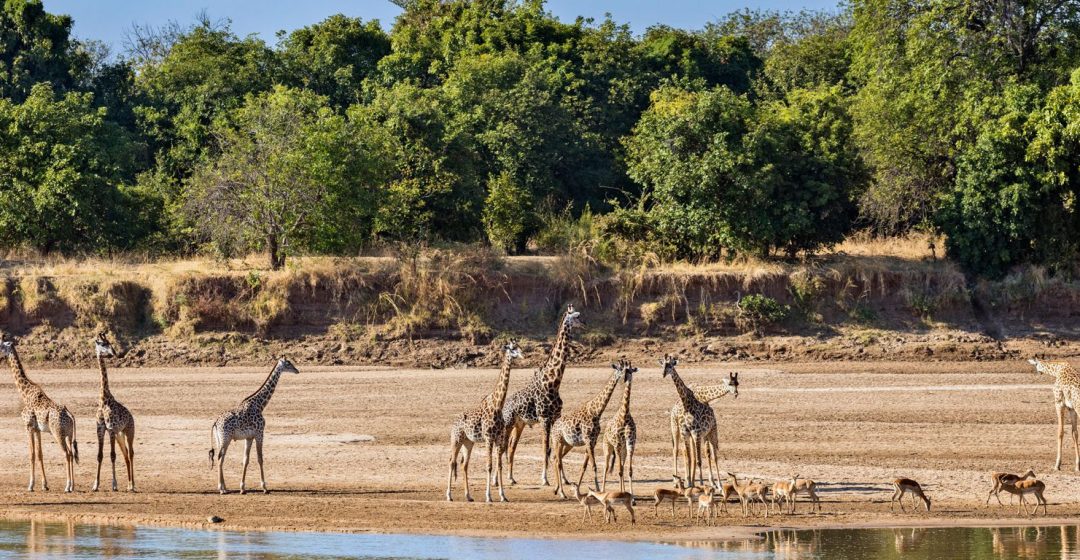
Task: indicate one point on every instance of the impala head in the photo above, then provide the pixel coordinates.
(572, 318)
(512, 350)
(102, 347)
(285, 366)
(1029, 474)
(732, 383)
(669, 363)
(624, 368)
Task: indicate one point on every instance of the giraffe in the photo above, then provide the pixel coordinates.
(114, 418)
(698, 421)
(539, 402)
(41, 413)
(583, 428)
(620, 437)
(246, 422)
(1066, 398)
(705, 394)
(483, 424)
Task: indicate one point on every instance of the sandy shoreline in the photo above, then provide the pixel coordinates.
(364, 450)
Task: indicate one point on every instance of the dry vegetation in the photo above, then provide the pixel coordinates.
(471, 295)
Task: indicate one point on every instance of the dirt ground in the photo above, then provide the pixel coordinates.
(365, 449)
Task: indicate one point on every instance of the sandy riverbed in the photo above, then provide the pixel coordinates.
(366, 449)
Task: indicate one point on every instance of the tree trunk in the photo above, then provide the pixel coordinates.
(277, 259)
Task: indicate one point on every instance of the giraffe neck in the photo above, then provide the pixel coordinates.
(685, 394)
(556, 364)
(710, 393)
(22, 382)
(106, 395)
(261, 397)
(624, 408)
(499, 394)
(598, 403)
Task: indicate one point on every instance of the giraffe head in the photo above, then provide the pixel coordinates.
(1041, 366)
(7, 345)
(732, 384)
(512, 350)
(572, 318)
(626, 369)
(285, 366)
(668, 363)
(102, 346)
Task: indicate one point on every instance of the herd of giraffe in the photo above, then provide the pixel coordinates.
(498, 423)
(41, 414)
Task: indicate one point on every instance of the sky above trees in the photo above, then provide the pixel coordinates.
(108, 20)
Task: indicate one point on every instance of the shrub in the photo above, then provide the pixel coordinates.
(757, 312)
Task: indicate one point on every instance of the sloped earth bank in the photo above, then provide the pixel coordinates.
(365, 449)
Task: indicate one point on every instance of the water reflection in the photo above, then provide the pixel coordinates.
(70, 540)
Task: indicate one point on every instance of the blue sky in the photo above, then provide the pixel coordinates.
(108, 20)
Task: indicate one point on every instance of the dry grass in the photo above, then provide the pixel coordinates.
(913, 246)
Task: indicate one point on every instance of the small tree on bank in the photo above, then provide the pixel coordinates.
(281, 158)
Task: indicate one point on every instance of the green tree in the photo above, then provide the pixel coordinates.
(721, 173)
(333, 57)
(508, 213)
(61, 171)
(36, 46)
(285, 170)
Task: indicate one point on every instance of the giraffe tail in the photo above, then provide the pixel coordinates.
(213, 444)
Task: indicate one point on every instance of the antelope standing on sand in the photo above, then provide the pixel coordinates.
(809, 487)
(114, 418)
(246, 422)
(1024, 487)
(670, 494)
(999, 478)
(903, 486)
(40, 413)
(784, 491)
(609, 499)
(483, 424)
(753, 492)
(582, 428)
(539, 402)
(1066, 399)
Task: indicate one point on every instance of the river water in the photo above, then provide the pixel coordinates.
(35, 539)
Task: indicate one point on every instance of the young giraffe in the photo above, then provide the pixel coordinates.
(41, 413)
(483, 424)
(114, 418)
(583, 428)
(620, 437)
(1066, 398)
(705, 394)
(698, 421)
(246, 422)
(539, 402)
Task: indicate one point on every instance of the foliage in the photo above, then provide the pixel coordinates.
(283, 172)
(757, 312)
(36, 47)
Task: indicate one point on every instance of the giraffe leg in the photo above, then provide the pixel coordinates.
(512, 443)
(33, 460)
(468, 444)
(41, 461)
(487, 490)
(630, 464)
(262, 471)
(609, 462)
(1076, 441)
(561, 450)
(455, 448)
(243, 473)
(499, 473)
(1060, 434)
(112, 456)
(621, 456)
(225, 441)
(674, 450)
(129, 436)
(100, 452)
(122, 441)
(69, 461)
(547, 451)
(592, 459)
